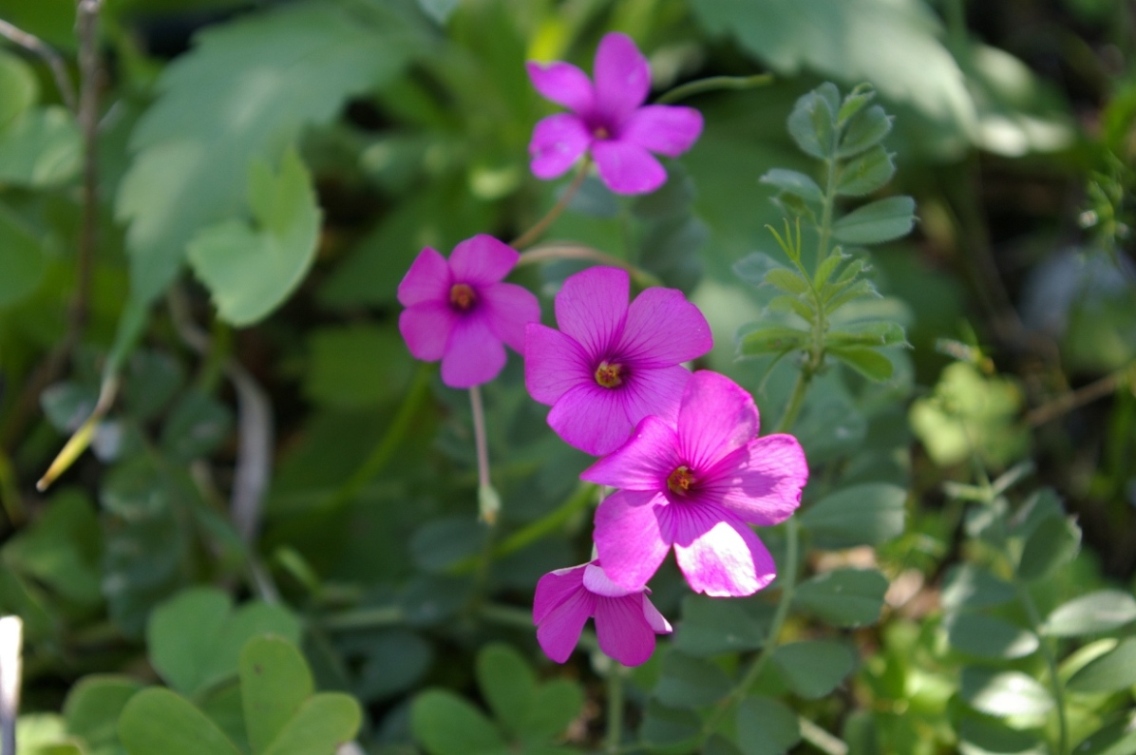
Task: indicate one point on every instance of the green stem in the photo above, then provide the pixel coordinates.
(796, 400)
(714, 84)
(538, 229)
(363, 618)
(1051, 667)
(614, 707)
(553, 252)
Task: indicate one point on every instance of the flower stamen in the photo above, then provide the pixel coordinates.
(462, 297)
(601, 133)
(609, 375)
(680, 480)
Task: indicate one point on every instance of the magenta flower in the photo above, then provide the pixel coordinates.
(459, 311)
(626, 620)
(609, 120)
(611, 365)
(695, 486)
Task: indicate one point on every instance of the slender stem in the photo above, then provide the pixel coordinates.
(54, 61)
(90, 81)
(796, 400)
(479, 437)
(363, 618)
(1075, 399)
(1051, 666)
(821, 739)
(714, 84)
(614, 706)
(552, 252)
(538, 229)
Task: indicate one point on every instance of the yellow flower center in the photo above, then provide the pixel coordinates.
(609, 375)
(462, 297)
(680, 480)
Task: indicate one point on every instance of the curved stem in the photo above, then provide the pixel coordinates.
(553, 252)
(796, 400)
(713, 84)
(538, 229)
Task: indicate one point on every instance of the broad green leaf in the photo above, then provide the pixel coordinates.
(22, 260)
(251, 270)
(879, 333)
(275, 682)
(393, 661)
(1100, 611)
(814, 668)
(158, 720)
(766, 726)
(444, 542)
(445, 724)
(151, 381)
(321, 725)
(44, 734)
(507, 683)
(1118, 737)
(867, 514)
(197, 424)
(711, 626)
(844, 597)
(811, 125)
(969, 587)
(356, 366)
(795, 183)
(987, 637)
(93, 706)
(882, 220)
(689, 682)
(19, 89)
(984, 736)
(866, 173)
(40, 147)
(865, 131)
(1004, 693)
(242, 94)
(773, 339)
(868, 362)
(1111, 672)
(1054, 543)
(61, 549)
(556, 704)
(665, 727)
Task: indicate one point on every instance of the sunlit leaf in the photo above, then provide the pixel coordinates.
(1111, 672)
(1100, 611)
(866, 514)
(1004, 693)
(987, 637)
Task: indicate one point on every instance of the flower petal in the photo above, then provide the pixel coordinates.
(663, 329)
(482, 260)
(762, 481)
(557, 142)
(591, 418)
(556, 587)
(655, 391)
(718, 554)
(474, 355)
(597, 583)
(510, 308)
(657, 621)
(554, 363)
(622, 630)
(563, 83)
(560, 630)
(642, 463)
(428, 279)
(591, 307)
(623, 77)
(667, 129)
(627, 168)
(426, 329)
(717, 416)
(629, 540)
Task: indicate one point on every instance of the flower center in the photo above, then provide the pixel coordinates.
(462, 297)
(601, 132)
(609, 375)
(680, 480)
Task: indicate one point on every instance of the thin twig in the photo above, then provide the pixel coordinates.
(90, 77)
(54, 60)
(562, 251)
(1075, 399)
(534, 233)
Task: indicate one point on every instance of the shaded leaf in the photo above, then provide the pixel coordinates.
(882, 220)
(446, 724)
(844, 597)
(711, 626)
(772, 339)
(158, 720)
(866, 173)
(867, 514)
(969, 587)
(868, 362)
(22, 259)
(689, 682)
(1111, 672)
(987, 637)
(814, 668)
(1054, 543)
(795, 183)
(766, 726)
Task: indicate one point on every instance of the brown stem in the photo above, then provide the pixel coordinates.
(538, 229)
(90, 81)
(1075, 399)
(567, 251)
(54, 61)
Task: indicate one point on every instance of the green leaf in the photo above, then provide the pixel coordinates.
(67, 405)
(1111, 672)
(665, 727)
(40, 148)
(1100, 611)
(689, 682)
(1004, 693)
(874, 333)
(882, 220)
(158, 720)
(197, 424)
(393, 661)
(753, 267)
(845, 597)
(507, 683)
(839, 294)
(814, 668)
(785, 303)
(251, 271)
(445, 724)
(866, 173)
(987, 637)
(1118, 737)
(22, 257)
(811, 125)
(867, 514)
(555, 706)
(275, 682)
(93, 707)
(865, 131)
(711, 626)
(1054, 543)
(321, 725)
(19, 89)
(985, 736)
(152, 379)
(772, 339)
(787, 280)
(61, 549)
(444, 542)
(868, 362)
(356, 366)
(242, 94)
(766, 726)
(968, 587)
(825, 270)
(795, 183)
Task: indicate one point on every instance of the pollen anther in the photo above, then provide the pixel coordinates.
(462, 297)
(680, 480)
(609, 375)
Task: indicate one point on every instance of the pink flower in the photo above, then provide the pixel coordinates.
(611, 365)
(609, 119)
(695, 486)
(626, 621)
(460, 312)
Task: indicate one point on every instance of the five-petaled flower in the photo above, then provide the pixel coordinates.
(611, 364)
(459, 311)
(626, 620)
(609, 120)
(695, 486)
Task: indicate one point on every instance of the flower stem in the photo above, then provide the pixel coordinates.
(551, 252)
(796, 400)
(531, 235)
(714, 84)
(489, 503)
(614, 707)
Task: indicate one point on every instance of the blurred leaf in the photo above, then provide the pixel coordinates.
(845, 597)
(93, 706)
(22, 259)
(321, 724)
(868, 362)
(445, 724)
(251, 270)
(766, 726)
(1118, 737)
(795, 183)
(439, 10)
(1004, 693)
(67, 405)
(968, 587)
(866, 514)
(392, 661)
(1111, 672)
(244, 92)
(665, 727)
(866, 173)
(357, 365)
(197, 424)
(61, 550)
(152, 379)
(773, 339)
(689, 682)
(158, 720)
(507, 683)
(40, 148)
(44, 734)
(444, 542)
(275, 682)
(814, 668)
(831, 426)
(1100, 611)
(811, 123)
(1054, 543)
(983, 736)
(787, 280)
(753, 267)
(19, 89)
(711, 626)
(882, 220)
(987, 637)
